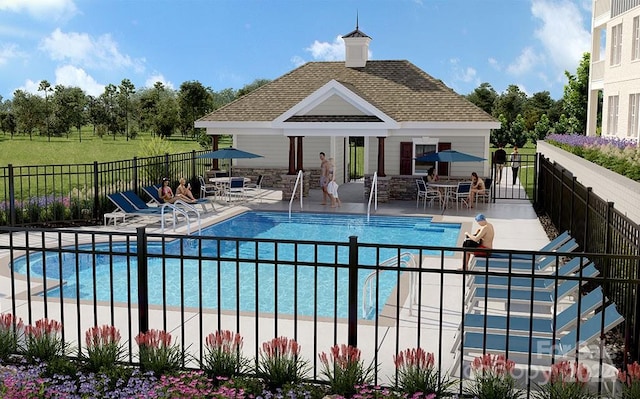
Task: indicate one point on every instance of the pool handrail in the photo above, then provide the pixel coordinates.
(293, 192)
(374, 189)
(369, 281)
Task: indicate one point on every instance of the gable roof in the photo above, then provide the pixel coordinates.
(398, 88)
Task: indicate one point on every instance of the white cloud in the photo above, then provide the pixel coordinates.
(562, 32)
(298, 61)
(30, 87)
(463, 74)
(494, 64)
(71, 76)
(82, 49)
(8, 52)
(527, 61)
(41, 9)
(158, 77)
(324, 51)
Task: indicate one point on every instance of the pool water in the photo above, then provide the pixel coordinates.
(177, 281)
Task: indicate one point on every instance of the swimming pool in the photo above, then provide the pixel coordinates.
(226, 285)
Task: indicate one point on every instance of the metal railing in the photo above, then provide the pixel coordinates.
(40, 194)
(225, 283)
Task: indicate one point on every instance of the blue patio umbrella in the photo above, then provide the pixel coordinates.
(228, 153)
(449, 156)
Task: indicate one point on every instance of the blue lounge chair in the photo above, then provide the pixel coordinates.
(544, 349)
(541, 299)
(544, 282)
(553, 245)
(536, 325)
(152, 191)
(522, 265)
(127, 208)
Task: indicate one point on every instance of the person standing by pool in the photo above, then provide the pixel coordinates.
(332, 187)
(324, 177)
(515, 164)
(499, 158)
(483, 238)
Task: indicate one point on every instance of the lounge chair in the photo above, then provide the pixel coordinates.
(152, 191)
(553, 245)
(254, 189)
(544, 349)
(543, 282)
(537, 325)
(541, 263)
(125, 207)
(540, 299)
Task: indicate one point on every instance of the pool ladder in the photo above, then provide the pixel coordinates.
(405, 259)
(182, 208)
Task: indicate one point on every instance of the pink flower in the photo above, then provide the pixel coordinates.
(632, 375)
(281, 346)
(341, 356)
(225, 341)
(154, 339)
(8, 322)
(43, 327)
(415, 358)
(497, 364)
(102, 336)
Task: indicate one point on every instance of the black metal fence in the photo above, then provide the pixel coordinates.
(514, 183)
(599, 228)
(65, 193)
(194, 285)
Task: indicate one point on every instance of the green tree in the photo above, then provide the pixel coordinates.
(125, 90)
(251, 87)
(46, 87)
(541, 129)
(576, 93)
(484, 96)
(194, 101)
(518, 133)
(563, 126)
(29, 111)
(500, 136)
(510, 103)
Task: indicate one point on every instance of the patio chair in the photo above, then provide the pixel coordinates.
(553, 245)
(254, 189)
(541, 300)
(236, 188)
(537, 325)
(125, 207)
(544, 350)
(462, 194)
(541, 264)
(543, 282)
(209, 189)
(152, 191)
(486, 193)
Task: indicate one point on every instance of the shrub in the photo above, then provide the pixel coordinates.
(630, 381)
(492, 378)
(103, 347)
(157, 354)
(344, 370)
(11, 332)
(222, 357)
(42, 341)
(280, 363)
(417, 373)
(567, 380)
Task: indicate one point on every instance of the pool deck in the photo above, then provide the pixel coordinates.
(516, 226)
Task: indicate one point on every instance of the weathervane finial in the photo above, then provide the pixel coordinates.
(356, 19)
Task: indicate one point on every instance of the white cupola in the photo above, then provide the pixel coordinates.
(356, 46)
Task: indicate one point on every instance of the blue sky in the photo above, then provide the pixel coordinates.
(228, 44)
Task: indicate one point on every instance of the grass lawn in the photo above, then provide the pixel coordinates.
(21, 151)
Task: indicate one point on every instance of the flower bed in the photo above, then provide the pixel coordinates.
(619, 155)
(35, 363)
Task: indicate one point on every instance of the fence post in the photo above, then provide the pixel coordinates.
(96, 197)
(536, 175)
(586, 247)
(572, 207)
(166, 166)
(135, 175)
(193, 165)
(353, 291)
(12, 198)
(143, 293)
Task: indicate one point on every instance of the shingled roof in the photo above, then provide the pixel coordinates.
(398, 88)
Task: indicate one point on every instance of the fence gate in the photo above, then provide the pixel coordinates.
(513, 180)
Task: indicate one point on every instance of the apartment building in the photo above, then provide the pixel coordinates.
(615, 69)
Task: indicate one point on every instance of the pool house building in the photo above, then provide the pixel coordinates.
(394, 108)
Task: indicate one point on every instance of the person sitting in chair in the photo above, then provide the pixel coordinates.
(166, 193)
(185, 189)
(483, 238)
(477, 186)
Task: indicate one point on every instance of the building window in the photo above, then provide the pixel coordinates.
(635, 40)
(612, 117)
(634, 111)
(423, 146)
(616, 44)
